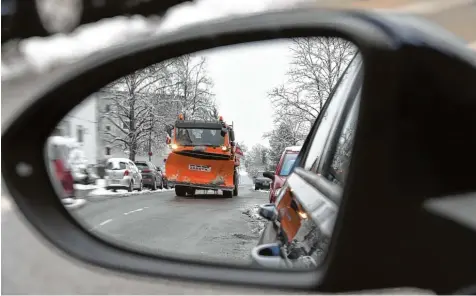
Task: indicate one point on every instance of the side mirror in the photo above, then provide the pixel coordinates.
(268, 211)
(269, 175)
(223, 132)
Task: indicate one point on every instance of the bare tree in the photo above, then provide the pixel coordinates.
(256, 160)
(317, 64)
(146, 103)
(193, 87)
(135, 102)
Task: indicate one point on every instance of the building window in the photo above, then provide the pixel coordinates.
(108, 128)
(80, 133)
(66, 129)
(125, 125)
(108, 108)
(108, 150)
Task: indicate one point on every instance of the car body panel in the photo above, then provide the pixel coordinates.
(279, 178)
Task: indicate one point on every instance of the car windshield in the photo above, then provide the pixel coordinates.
(116, 165)
(199, 137)
(141, 165)
(288, 164)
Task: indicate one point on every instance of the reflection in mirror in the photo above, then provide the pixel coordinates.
(150, 162)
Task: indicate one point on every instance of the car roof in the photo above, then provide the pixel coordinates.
(293, 148)
(118, 159)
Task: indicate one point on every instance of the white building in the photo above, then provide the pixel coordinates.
(81, 125)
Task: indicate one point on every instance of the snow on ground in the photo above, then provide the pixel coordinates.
(71, 203)
(43, 54)
(257, 223)
(98, 189)
(122, 192)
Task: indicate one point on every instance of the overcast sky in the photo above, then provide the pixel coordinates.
(243, 75)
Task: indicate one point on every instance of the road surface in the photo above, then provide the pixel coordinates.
(205, 226)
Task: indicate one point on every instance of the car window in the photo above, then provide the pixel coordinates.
(288, 164)
(328, 118)
(141, 165)
(337, 171)
(114, 165)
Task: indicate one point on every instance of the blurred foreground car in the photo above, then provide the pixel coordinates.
(59, 166)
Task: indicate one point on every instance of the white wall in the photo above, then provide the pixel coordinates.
(84, 116)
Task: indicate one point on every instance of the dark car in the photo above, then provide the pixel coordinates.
(261, 182)
(151, 175)
(164, 177)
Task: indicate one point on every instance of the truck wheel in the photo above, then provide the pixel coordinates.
(235, 191)
(228, 194)
(191, 191)
(180, 191)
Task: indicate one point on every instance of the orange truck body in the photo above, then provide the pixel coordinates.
(203, 156)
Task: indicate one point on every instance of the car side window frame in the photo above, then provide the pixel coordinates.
(310, 144)
(331, 147)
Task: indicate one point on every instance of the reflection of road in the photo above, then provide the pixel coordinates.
(205, 225)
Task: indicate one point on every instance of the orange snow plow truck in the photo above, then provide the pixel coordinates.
(204, 156)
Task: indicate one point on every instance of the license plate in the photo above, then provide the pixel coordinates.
(199, 148)
(200, 168)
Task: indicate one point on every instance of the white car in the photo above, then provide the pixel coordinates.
(122, 173)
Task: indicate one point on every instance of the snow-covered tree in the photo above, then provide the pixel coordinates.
(193, 88)
(285, 134)
(145, 104)
(256, 160)
(317, 64)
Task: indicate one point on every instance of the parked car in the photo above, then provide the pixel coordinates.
(261, 182)
(283, 169)
(297, 230)
(151, 175)
(122, 173)
(164, 177)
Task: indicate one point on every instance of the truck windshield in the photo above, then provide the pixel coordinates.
(199, 137)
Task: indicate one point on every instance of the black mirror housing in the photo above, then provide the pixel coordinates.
(269, 175)
(405, 48)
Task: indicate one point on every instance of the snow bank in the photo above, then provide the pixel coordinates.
(102, 192)
(71, 203)
(43, 54)
(257, 223)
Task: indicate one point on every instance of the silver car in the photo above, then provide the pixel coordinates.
(122, 173)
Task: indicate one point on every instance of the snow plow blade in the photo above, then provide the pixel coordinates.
(198, 173)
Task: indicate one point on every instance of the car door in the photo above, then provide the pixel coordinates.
(135, 173)
(155, 172)
(308, 196)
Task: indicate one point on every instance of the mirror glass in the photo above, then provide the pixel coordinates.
(147, 162)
